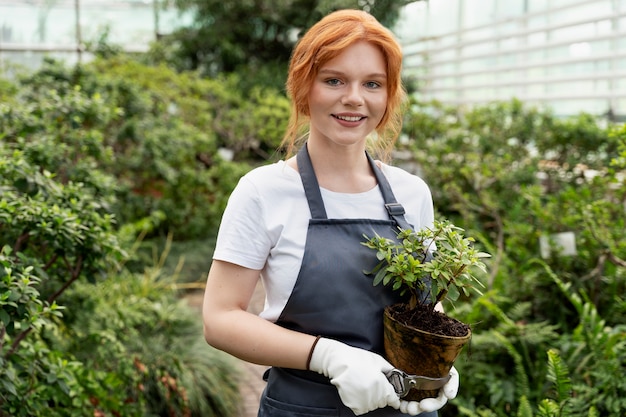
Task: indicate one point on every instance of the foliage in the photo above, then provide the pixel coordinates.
(410, 264)
(32, 378)
(249, 36)
(53, 235)
(492, 169)
(57, 191)
(511, 174)
(597, 354)
(136, 327)
(61, 231)
(184, 261)
(578, 388)
(620, 160)
(145, 132)
(506, 348)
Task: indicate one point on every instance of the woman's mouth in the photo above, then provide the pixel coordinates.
(348, 118)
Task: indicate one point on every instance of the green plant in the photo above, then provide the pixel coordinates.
(412, 264)
(53, 235)
(559, 401)
(135, 326)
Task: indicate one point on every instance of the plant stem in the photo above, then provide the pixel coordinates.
(440, 296)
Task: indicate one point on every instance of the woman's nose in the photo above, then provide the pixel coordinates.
(353, 96)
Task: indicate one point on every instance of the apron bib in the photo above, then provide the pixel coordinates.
(333, 298)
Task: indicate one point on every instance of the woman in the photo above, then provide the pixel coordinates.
(298, 225)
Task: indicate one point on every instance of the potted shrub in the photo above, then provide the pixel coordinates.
(432, 265)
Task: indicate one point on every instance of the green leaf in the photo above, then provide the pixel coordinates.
(379, 276)
(453, 292)
(4, 317)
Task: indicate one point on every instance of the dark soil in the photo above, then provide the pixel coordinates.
(423, 318)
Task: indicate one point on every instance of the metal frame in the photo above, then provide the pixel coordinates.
(78, 47)
(421, 62)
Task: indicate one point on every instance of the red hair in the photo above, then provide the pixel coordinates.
(324, 41)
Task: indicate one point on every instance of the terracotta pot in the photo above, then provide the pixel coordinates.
(417, 352)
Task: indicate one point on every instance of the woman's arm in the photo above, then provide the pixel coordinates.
(228, 325)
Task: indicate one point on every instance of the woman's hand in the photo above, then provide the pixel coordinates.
(447, 392)
(358, 374)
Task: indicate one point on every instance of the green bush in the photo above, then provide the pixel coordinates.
(510, 174)
(52, 235)
(137, 328)
(156, 133)
(58, 238)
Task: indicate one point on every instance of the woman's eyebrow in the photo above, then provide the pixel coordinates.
(327, 71)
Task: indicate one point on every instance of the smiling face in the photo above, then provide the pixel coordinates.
(348, 97)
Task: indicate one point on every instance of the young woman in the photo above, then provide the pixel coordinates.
(298, 225)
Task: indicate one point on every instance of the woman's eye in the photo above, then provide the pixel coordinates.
(333, 81)
(372, 84)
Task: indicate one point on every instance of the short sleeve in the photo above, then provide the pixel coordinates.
(242, 238)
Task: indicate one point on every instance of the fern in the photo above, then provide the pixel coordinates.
(520, 372)
(483, 412)
(596, 354)
(548, 408)
(558, 374)
(525, 409)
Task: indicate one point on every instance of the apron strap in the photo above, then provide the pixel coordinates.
(311, 186)
(395, 209)
(314, 195)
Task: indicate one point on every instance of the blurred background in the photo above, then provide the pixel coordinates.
(569, 55)
(125, 125)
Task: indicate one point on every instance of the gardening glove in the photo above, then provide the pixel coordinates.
(358, 374)
(447, 392)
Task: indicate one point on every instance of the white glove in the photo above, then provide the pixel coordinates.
(357, 373)
(447, 392)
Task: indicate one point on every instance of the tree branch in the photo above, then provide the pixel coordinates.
(20, 240)
(74, 276)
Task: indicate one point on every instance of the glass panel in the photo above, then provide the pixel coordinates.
(536, 38)
(603, 65)
(478, 34)
(536, 72)
(412, 22)
(604, 27)
(537, 90)
(22, 24)
(586, 10)
(619, 64)
(477, 12)
(130, 21)
(573, 32)
(445, 54)
(478, 49)
(537, 5)
(509, 8)
(443, 16)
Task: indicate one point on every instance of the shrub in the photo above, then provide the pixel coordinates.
(510, 174)
(136, 327)
(57, 233)
(149, 129)
(52, 236)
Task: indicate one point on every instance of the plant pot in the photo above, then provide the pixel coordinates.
(418, 352)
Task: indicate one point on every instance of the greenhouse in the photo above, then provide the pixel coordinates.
(209, 207)
(61, 28)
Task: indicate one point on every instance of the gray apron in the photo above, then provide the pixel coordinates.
(333, 298)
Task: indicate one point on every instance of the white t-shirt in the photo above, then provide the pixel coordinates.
(265, 223)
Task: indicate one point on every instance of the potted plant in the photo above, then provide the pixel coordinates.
(432, 265)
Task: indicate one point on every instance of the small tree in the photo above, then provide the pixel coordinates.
(412, 264)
